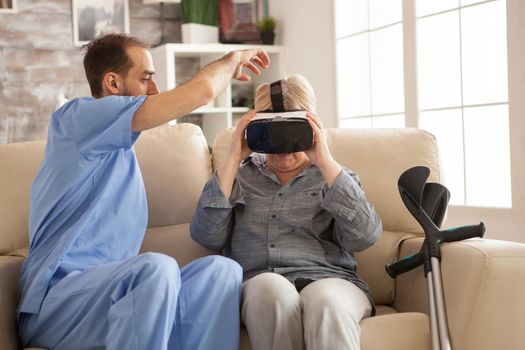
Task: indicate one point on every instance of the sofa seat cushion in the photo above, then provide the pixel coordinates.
(388, 330)
(400, 331)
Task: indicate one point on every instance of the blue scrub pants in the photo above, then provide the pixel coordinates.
(144, 303)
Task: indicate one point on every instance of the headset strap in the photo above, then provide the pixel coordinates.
(276, 94)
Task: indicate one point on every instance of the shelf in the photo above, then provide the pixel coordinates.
(188, 58)
(207, 110)
(240, 109)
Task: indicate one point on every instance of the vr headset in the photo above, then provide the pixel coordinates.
(277, 130)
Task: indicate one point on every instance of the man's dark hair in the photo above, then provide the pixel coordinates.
(108, 54)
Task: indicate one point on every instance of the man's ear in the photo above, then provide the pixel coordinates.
(112, 83)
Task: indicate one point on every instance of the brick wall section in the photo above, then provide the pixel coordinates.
(38, 60)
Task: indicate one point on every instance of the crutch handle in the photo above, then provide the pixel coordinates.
(406, 264)
(463, 232)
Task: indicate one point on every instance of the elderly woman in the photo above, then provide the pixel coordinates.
(293, 222)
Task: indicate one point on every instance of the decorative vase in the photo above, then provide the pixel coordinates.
(195, 33)
(267, 38)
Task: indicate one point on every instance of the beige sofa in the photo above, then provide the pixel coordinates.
(484, 280)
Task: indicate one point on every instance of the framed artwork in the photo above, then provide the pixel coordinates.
(8, 6)
(237, 20)
(95, 18)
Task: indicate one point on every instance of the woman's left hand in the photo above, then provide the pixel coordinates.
(319, 153)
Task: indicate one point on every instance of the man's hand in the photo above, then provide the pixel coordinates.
(250, 58)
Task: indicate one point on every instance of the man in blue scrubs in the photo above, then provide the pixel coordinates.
(83, 285)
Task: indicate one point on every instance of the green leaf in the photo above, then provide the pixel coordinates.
(266, 24)
(200, 11)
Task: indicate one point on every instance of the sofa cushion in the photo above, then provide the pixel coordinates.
(403, 331)
(20, 162)
(483, 290)
(388, 330)
(9, 269)
(371, 265)
(379, 156)
(175, 162)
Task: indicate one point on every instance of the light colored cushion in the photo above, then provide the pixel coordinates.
(9, 269)
(20, 162)
(371, 265)
(483, 282)
(174, 160)
(396, 332)
(174, 241)
(175, 164)
(379, 157)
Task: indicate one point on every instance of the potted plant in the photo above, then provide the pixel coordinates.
(199, 21)
(266, 26)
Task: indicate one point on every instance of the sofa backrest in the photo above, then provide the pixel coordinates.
(379, 157)
(19, 163)
(174, 160)
(176, 163)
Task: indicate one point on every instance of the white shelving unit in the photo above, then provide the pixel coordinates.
(176, 63)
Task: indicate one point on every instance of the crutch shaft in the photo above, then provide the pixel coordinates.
(444, 339)
(432, 310)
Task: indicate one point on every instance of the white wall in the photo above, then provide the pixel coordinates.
(305, 28)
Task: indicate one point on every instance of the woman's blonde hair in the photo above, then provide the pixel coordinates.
(298, 94)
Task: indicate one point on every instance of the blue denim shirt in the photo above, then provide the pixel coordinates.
(301, 229)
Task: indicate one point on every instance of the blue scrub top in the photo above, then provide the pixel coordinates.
(88, 203)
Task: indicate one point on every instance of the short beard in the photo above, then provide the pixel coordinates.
(125, 90)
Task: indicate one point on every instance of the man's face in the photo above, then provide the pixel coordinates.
(139, 80)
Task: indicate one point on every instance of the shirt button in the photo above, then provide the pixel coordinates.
(279, 194)
(274, 216)
(272, 245)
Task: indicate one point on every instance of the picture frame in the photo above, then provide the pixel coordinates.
(237, 21)
(94, 18)
(8, 6)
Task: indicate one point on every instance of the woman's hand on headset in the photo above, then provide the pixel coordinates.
(319, 153)
(239, 146)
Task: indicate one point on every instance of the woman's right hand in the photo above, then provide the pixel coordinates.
(239, 146)
(239, 150)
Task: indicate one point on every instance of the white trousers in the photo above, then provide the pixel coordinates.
(324, 316)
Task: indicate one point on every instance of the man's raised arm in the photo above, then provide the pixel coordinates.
(203, 88)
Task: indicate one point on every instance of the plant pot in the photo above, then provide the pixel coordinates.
(267, 38)
(195, 33)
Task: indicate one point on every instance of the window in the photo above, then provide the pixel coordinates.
(370, 87)
(462, 88)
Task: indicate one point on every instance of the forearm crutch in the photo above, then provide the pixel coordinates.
(427, 202)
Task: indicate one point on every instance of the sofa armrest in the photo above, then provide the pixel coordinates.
(483, 282)
(9, 271)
